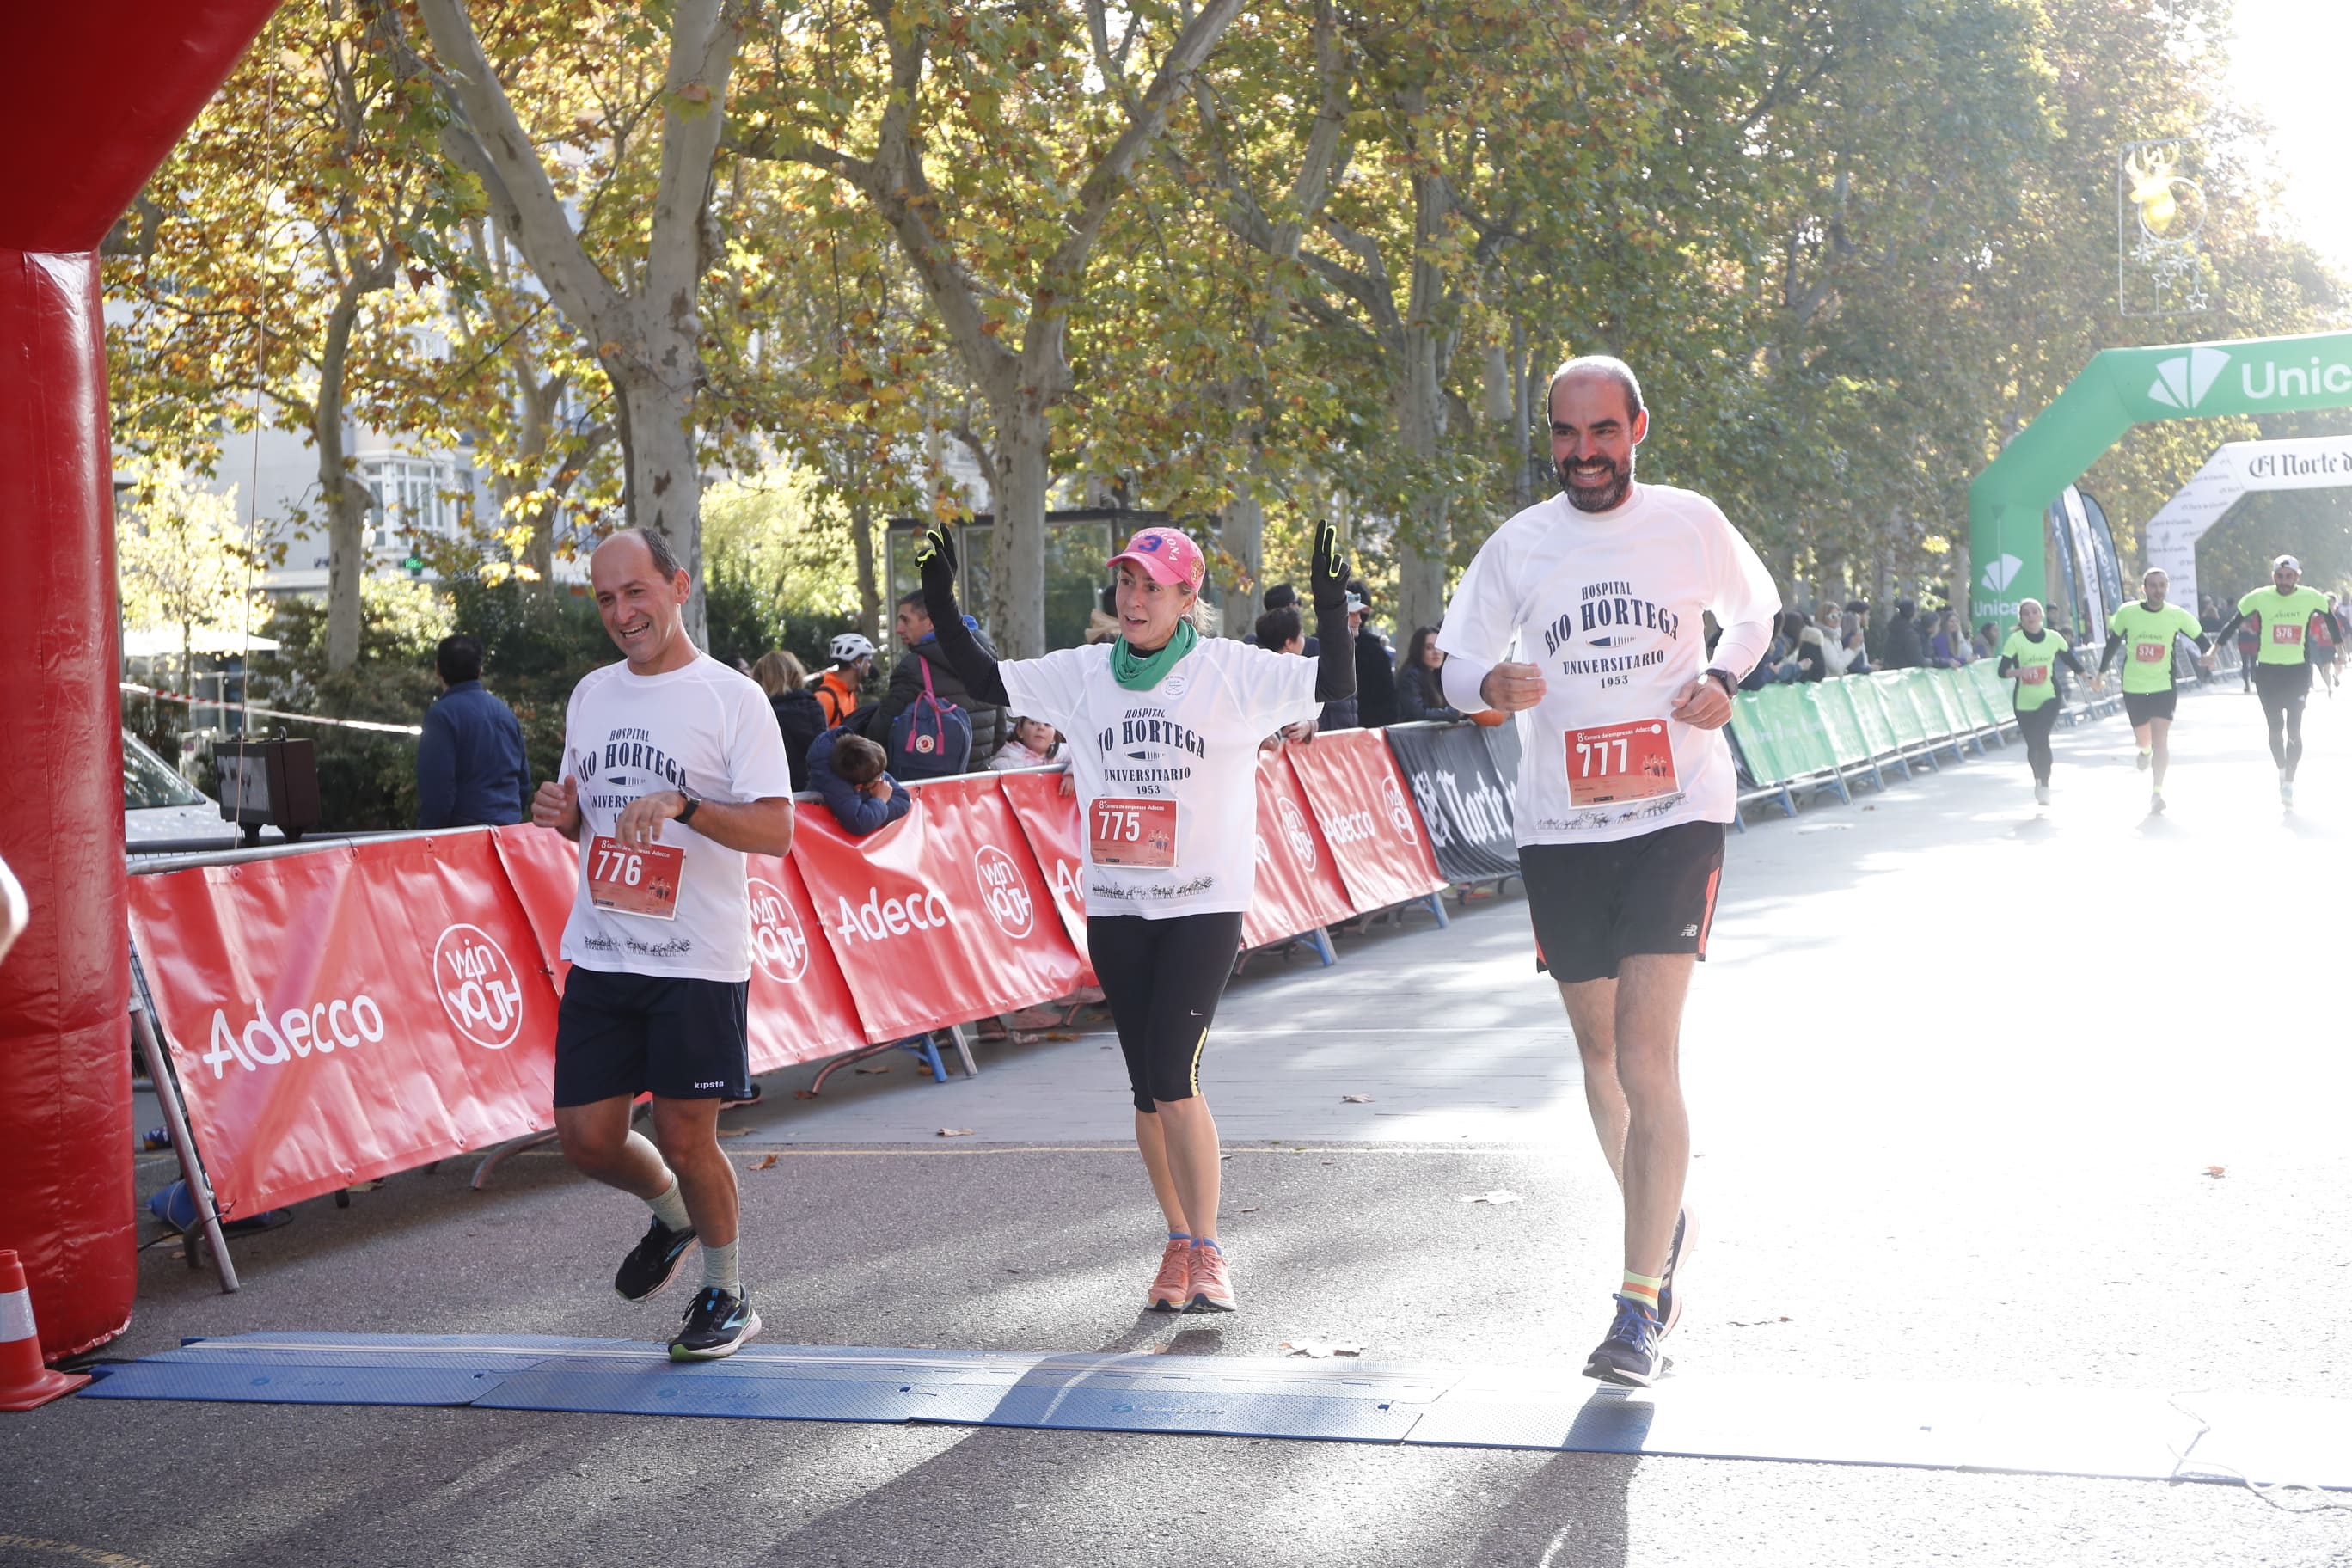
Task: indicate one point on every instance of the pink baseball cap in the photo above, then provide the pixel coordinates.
(1165, 554)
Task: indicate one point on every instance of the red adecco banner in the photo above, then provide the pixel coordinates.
(1051, 821)
(800, 1008)
(544, 867)
(1298, 888)
(940, 916)
(348, 1014)
(1367, 818)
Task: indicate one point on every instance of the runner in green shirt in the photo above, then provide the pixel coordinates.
(2143, 633)
(2032, 655)
(2281, 615)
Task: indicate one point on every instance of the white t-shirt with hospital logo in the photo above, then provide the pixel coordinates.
(1167, 778)
(708, 731)
(1611, 606)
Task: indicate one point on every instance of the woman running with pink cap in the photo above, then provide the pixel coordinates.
(1164, 726)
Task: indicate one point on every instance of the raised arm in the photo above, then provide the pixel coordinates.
(935, 559)
(1335, 669)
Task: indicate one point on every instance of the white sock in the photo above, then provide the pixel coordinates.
(720, 1270)
(671, 1207)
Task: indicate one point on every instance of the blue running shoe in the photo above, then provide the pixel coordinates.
(653, 1263)
(715, 1325)
(1628, 1357)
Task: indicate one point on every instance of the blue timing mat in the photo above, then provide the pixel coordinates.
(2215, 1435)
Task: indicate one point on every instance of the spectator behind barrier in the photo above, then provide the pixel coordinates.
(1376, 694)
(470, 767)
(1281, 597)
(1281, 630)
(1828, 633)
(1947, 649)
(1419, 696)
(990, 725)
(799, 714)
(1905, 650)
(846, 769)
(1810, 661)
(1034, 743)
(1855, 627)
(836, 688)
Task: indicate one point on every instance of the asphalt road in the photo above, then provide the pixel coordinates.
(1960, 1070)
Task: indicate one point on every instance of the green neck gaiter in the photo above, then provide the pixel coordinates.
(1141, 671)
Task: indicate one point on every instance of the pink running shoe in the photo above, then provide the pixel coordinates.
(1174, 1287)
(1212, 1291)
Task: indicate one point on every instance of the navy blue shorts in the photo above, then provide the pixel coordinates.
(627, 1034)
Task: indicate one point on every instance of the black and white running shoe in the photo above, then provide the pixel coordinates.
(718, 1323)
(653, 1263)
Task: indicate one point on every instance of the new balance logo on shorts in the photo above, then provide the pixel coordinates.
(1690, 931)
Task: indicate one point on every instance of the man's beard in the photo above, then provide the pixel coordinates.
(1604, 497)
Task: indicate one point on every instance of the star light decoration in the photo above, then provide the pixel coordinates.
(2162, 267)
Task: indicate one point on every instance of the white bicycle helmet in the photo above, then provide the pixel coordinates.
(849, 647)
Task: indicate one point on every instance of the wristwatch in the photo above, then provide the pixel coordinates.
(1730, 682)
(685, 813)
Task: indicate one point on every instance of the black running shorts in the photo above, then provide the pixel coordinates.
(1595, 904)
(1162, 980)
(626, 1035)
(2140, 707)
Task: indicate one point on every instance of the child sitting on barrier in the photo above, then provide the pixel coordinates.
(846, 771)
(1034, 744)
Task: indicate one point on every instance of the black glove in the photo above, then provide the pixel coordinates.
(935, 563)
(1326, 578)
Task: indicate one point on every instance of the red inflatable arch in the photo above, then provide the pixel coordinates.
(104, 88)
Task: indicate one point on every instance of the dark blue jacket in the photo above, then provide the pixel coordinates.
(469, 764)
(858, 812)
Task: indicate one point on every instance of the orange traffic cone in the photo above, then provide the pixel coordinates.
(23, 1381)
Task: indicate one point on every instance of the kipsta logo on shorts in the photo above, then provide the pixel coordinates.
(778, 944)
(2000, 574)
(1294, 829)
(479, 989)
(1005, 891)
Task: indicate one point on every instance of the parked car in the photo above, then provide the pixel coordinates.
(160, 809)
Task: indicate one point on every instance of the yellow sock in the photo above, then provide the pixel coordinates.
(1642, 1289)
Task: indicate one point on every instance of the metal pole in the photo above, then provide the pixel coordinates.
(175, 1118)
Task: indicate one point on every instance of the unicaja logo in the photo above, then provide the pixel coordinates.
(2182, 381)
(2000, 574)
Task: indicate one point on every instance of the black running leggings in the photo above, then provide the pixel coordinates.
(1162, 979)
(2281, 689)
(2035, 724)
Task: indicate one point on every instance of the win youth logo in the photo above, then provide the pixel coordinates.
(1999, 575)
(479, 988)
(2182, 381)
(779, 946)
(1400, 814)
(1005, 891)
(1295, 829)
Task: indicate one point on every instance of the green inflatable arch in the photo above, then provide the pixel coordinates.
(2119, 389)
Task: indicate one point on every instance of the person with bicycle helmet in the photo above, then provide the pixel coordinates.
(836, 688)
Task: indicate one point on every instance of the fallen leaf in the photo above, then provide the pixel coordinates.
(1321, 1349)
(1355, 1100)
(1060, 1034)
(1249, 1211)
(764, 1163)
(363, 1186)
(2217, 1170)
(803, 1094)
(1762, 1322)
(1497, 1196)
(734, 1132)
(955, 1131)
(870, 1071)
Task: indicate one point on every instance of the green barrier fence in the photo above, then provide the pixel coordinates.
(1831, 712)
(1893, 700)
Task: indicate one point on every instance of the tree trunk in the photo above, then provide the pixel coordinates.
(344, 498)
(869, 581)
(1244, 539)
(664, 483)
(1016, 556)
(1421, 540)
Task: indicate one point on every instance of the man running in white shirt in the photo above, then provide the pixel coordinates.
(1625, 787)
(673, 771)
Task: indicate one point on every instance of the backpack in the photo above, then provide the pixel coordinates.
(932, 738)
